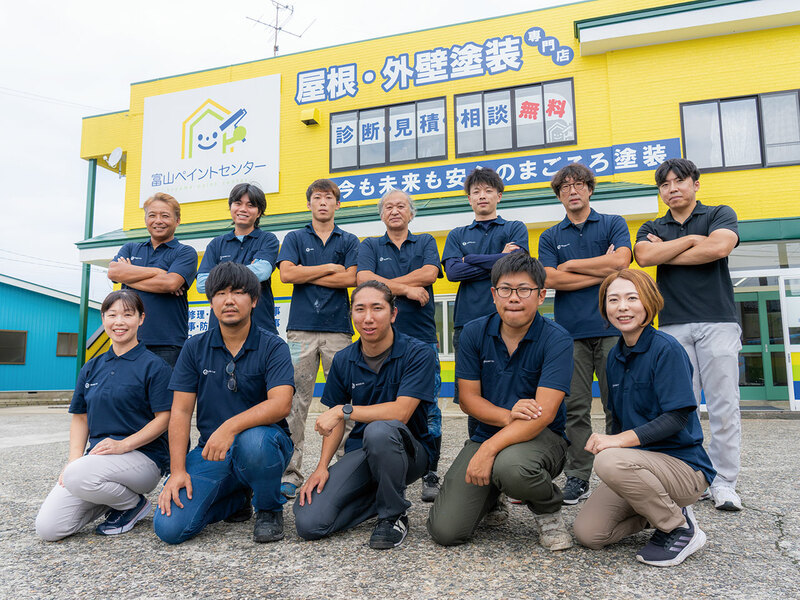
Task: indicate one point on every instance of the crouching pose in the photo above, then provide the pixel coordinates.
(241, 379)
(382, 383)
(513, 369)
(654, 467)
(121, 407)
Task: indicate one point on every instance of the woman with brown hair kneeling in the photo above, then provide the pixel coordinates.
(654, 467)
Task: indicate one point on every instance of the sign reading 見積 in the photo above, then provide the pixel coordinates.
(438, 65)
(515, 170)
(199, 143)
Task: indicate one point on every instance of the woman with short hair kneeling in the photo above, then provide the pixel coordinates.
(654, 467)
(121, 407)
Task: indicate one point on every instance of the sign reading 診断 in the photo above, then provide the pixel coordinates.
(198, 144)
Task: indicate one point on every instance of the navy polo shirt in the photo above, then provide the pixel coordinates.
(542, 359)
(578, 311)
(655, 378)
(408, 371)
(166, 320)
(121, 394)
(694, 293)
(262, 363)
(474, 298)
(382, 257)
(316, 307)
(256, 245)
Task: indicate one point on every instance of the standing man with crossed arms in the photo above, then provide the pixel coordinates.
(320, 261)
(160, 270)
(577, 254)
(690, 244)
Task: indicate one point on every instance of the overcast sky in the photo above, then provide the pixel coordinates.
(66, 60)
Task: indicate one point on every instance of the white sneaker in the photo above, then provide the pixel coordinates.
(725, 498)
(553, 533)
(498, 513)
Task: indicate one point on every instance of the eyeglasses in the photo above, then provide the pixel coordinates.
(229, 369)
(522, 292)
(578, 185)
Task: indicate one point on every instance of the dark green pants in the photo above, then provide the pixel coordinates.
(524, 471)
(590, 356)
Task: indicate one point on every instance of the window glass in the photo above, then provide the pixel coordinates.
(529, 116)
(469, 124)
(12, 347)
(402, 133)
(431, 128)
(740, 133)
(372, 137)
(702, 135)
(497, 119)
(780, 117)
(344, 150)
(67, 344)
(558, 112)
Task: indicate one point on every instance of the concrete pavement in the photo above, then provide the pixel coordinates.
(752, 554)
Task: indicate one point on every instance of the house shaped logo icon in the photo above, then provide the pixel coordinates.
(212, 128)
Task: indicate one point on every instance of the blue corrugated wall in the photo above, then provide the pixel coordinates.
(43, 317)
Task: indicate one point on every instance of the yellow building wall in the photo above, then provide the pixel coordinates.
(304, 153)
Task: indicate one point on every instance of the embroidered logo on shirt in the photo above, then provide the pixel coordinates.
(465, 243)
(88, 385)
(224, 256)
(207, 371)
(354, 385)
(136, 258)
(560, 246)
(309, 249)
(383, 258)
(488, 361)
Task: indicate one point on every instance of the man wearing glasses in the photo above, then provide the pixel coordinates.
(577, 254)
(513, 368)
(242, 381)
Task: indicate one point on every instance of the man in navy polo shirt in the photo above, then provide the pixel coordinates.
(382, 383)
(246, 244)
(408, 264)
(320, 261)
(161, 270)
(514, 368)
(241, 379)
(690, 244)
(471, 251)
(577, 254)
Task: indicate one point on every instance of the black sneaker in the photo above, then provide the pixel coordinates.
(244, 513)
(389, 533)
(574, 490)
(268, 527)
(430, 486)
(121, 521)
(670, 549)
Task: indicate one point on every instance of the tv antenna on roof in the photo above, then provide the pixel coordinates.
(277, 26)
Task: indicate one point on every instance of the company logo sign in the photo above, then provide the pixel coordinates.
(197, 144)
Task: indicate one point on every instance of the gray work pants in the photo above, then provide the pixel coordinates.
(92, 485)
(713, 350)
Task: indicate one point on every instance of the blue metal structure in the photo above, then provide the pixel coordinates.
(43, 313)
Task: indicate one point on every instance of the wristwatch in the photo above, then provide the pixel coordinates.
(347, 410)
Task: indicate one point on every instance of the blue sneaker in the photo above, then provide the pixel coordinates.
(288, 490)
(121, 521)
(667, 549)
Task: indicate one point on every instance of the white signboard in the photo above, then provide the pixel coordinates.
(198, 144)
